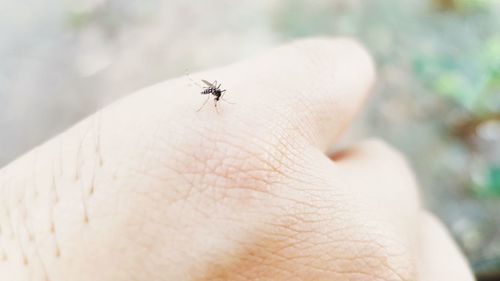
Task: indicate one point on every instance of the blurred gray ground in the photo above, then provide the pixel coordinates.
(62, 60)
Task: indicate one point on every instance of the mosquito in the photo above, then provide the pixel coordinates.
(211, 89)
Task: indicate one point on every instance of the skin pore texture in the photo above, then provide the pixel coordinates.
(149, 189)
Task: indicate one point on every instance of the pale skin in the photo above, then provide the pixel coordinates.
(149, 189)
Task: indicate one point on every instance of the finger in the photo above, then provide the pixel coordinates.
(440, 258)
(310, 89)
(383, 181)
(317, 86)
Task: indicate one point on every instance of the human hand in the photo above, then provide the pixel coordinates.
(150, 189)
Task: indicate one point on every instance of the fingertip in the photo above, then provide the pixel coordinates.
(330, 78)
(440, 258)
(339, 59)
(332, 50)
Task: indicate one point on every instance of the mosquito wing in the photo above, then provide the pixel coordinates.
(208, 83)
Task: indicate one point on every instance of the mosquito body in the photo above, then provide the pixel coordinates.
(210, 90)
(214, 90)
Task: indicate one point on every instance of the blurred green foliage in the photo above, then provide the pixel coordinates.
(470, 79)
(488, 184)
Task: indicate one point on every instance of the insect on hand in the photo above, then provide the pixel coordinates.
(214, 90)
(210, 89)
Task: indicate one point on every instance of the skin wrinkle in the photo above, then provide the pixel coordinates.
(379, 232)
(172, 167)
(274, 255)
(306, 261)
(280, 161)
(305, 125)
(284, 155)
(387, 256)
(359, 256)
(217, 164)
(353, 229)
(314, 170)
(269, 159)
(287, 153)
(141, 179)
(198, 167)
(286, 120)
(290, 119)
(380, 246)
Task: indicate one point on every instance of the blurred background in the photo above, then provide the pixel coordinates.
(438, 95)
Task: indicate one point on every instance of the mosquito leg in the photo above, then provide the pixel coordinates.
(215, 105)
(227, 101)
(222, 98)
(192, 81)
(203, 104)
